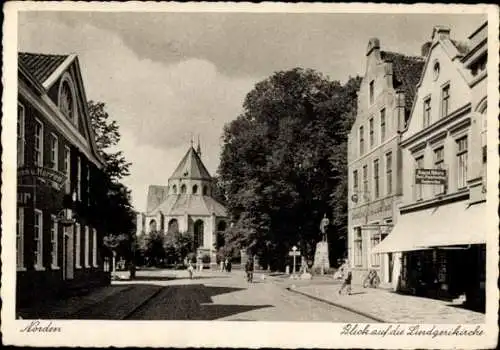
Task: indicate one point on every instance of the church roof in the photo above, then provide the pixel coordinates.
(181, 204)
(191, 167)
(156, 195)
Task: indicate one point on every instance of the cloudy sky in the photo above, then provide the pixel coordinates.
(167, 76)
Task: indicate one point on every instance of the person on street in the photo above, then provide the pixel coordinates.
(249, 270)
(222, 266)
(225, 264)
(228, 266)
(347, 283)
(190, 270)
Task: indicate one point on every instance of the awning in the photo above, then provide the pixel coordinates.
(445, 225)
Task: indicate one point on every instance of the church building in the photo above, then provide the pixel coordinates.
(186, 205)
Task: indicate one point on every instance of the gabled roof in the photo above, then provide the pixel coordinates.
(41, 66)
(191, 167)
(406, 73)
(156, 195)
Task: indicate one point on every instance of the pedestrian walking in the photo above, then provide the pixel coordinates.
(347, 283)
(229, 266)
(222, 266)
(249, 270)
(225, 264)
(190, 270)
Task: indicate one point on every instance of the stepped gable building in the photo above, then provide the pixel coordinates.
(441, 227)
(186, 205)
(374, 159)
(59, 237)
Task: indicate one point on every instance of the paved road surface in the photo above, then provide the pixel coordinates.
(230, 297)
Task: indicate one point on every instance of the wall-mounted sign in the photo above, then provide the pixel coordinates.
(431, 176)
(47, 173)
(381, 207)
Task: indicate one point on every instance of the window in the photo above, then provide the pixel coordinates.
(365, 181)
(183, 189)
(174, 189)
(484, 148)
(88, 184)
(79, 179)
(372, 91)
(382, 125)
(427, 112)
(388, 172)
(87, 247)
(375, 239)
(355, 181)
(78, 246)
(205, 190)
(419, 164)
(439, 164)
(53, 240)
(361, 141)
(358, 247)
(66, 103)
(461, 162)
(54, 164)
(20, 135)
(94, 247)
(67, 167)
(38, 156)
(38, 240)
(376, 177)
(195, 189)
(372, 133)
(20, 237)
(445, 101)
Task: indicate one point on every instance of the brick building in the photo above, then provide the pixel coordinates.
(374, 158)
(441, 228)
(59, 236)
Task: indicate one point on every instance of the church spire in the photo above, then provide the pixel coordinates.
(198, 148)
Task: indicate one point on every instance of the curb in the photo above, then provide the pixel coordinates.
(144, 302)
(378, 319)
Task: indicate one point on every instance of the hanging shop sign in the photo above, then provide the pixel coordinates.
(431, 176)
(52, 175)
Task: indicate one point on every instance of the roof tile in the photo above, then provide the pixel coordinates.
(41, 66)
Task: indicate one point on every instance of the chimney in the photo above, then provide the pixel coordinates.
(426, 48)
(373, 45)
(440, 33)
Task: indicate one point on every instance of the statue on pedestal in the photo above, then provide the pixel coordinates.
(323, 225)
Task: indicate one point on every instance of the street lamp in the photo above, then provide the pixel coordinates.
(66, 216)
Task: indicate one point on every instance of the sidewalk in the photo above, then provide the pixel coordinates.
(387, 306)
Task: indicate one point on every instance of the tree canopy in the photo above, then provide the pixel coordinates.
(114, 203)
(283, 163)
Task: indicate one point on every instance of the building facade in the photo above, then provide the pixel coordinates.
(374, 158)
(441, 228)
(59, 238)
(186, 205)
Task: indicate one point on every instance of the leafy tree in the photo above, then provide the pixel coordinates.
(155, 252)
(113, 204)
(283, 164)
(177, 245)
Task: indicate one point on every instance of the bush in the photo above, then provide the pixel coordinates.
(191, 257)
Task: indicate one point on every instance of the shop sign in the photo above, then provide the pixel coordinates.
(46, 173)
(431, 176)
(24, 198)
(372, 208)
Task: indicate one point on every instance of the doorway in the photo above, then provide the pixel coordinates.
(68, 266)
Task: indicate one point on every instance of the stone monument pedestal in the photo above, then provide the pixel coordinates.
(321, 256)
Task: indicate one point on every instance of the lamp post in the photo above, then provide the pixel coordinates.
(66, 218)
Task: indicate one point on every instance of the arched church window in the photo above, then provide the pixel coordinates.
(152, 225)
(205, 190)
(198, 233)
(183, 189)
(173, 226)
(195, 189)
(174, 189)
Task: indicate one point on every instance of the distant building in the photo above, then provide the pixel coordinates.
(186, 205)
(374, 159)
(59, 239)
(441, 227)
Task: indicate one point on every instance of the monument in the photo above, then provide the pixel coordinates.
(321, 255)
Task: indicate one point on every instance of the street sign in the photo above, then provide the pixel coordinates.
(294, 252)
(297, 253)
(431, 176)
